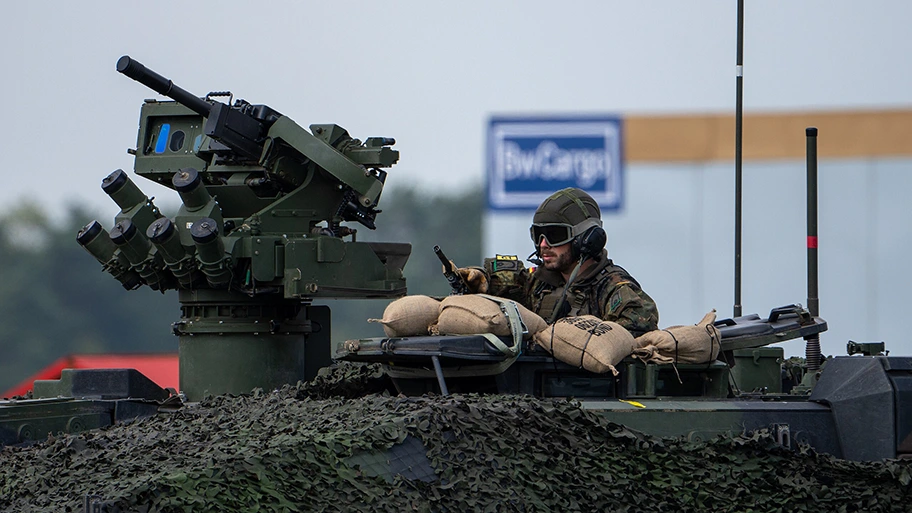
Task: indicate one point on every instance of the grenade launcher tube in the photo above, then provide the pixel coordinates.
(210, 252)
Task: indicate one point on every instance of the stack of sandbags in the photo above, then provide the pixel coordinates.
(470, 314)
(699, 343)
(587, 342)
(475, 313)
(409, 316)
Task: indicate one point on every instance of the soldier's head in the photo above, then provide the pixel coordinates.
(567, 223)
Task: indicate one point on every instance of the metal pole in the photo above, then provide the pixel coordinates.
(439, 371)
(812, 347)
(739, 77)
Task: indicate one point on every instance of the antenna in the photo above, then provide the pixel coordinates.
(812, 342)
(739, 78)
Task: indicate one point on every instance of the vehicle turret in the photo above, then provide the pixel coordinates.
(258, 236)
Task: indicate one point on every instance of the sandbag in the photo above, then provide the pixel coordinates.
(588, 342)
(409, 316)
(698, 343)
(470, 314)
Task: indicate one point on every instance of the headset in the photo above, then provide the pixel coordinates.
(590, 244)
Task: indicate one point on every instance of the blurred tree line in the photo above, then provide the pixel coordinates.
(55, 300)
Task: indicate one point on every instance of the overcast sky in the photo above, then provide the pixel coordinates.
(427, 73)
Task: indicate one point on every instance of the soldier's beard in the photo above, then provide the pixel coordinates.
(562, 262)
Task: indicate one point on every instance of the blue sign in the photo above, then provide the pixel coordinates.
(530, 158)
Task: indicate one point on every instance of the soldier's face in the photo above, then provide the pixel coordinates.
(556, 258)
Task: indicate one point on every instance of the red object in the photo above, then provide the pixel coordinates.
(160, 368)
(812, 241)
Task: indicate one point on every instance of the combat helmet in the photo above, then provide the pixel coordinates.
(569, 215)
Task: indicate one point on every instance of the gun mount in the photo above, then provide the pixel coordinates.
(259, 234)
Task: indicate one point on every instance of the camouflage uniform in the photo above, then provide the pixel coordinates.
(604, 290)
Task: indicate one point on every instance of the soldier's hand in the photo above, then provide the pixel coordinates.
(474, 278)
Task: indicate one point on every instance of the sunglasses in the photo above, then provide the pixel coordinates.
(554, 234)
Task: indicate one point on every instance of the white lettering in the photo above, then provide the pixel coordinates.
(548, 161)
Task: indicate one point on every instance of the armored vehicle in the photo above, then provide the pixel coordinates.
(261, 234)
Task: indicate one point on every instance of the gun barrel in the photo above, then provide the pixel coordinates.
(135, 70)
(449, 272)
(443, 259)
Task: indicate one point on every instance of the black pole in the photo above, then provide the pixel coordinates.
(812, 343)
(739, 78)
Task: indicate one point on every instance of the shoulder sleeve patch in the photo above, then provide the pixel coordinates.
(615, 301)
(506, 263)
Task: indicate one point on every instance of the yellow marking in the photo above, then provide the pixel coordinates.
(505, 257)
(633, 403)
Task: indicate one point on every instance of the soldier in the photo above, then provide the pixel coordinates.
(569, 241)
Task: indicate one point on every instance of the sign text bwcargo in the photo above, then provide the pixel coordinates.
(530, 158)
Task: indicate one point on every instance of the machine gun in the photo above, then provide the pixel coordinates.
(258, 236)
(256, 136)
(241, 129)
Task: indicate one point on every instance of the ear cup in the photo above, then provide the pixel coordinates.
(590, 243)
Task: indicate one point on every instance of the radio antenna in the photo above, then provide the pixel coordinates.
(739, 78)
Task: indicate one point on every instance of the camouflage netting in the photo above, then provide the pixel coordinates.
(318, 447)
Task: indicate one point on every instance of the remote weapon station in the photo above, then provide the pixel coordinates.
(259, 234)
